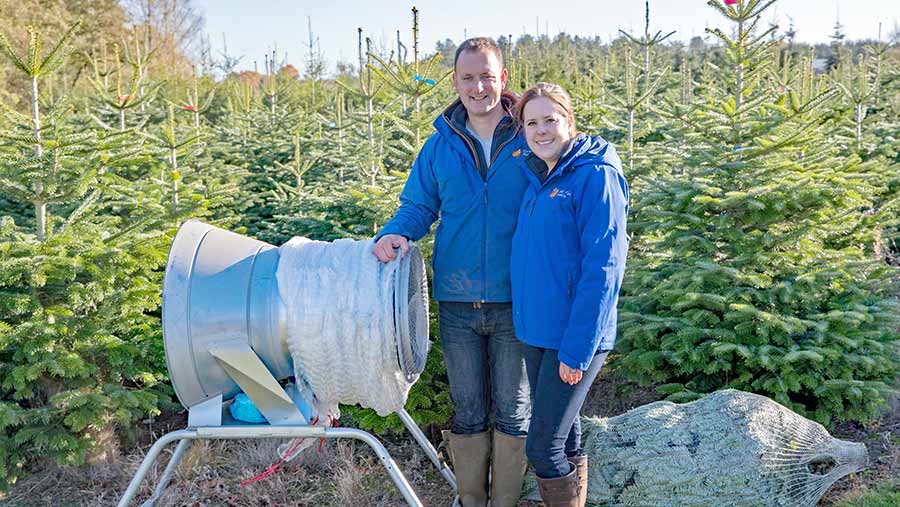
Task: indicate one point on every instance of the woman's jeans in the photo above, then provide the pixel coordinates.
(485, 367)
(555, 431)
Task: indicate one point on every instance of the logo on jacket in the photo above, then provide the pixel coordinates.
(517, 153)
(561, 193)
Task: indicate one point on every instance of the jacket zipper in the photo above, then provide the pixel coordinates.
(484, 247)
(484, 214)
(468, 144)
(498, 150)
(526, 233)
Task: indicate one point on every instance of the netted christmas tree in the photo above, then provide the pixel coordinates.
(753, 265)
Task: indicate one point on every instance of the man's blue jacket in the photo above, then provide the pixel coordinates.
(569, 249)
(478, 214)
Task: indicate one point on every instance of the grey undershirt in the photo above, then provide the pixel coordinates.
(485, 143)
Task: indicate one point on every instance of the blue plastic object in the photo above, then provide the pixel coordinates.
(244, 410)
(428, 81)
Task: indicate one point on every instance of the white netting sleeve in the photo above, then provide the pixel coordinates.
(344, 331)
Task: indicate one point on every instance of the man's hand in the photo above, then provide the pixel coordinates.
(384, 248)
(568, 375)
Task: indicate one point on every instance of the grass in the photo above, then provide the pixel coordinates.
(885, 495)
(343, 474)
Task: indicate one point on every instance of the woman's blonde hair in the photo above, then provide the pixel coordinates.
(555, 93)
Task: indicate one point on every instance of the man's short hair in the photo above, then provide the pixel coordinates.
(485, 44)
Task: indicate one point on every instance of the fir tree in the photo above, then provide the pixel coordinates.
(366, 91)
(751, 266)
(647, 43)
(629, 102)
(79, 280)
(120, 98)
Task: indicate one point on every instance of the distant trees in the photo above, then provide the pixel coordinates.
(171, 27)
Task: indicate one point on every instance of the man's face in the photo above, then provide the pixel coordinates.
(479, 79)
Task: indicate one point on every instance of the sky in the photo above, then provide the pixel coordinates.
(252, 28)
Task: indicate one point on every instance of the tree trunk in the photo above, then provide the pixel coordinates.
(173, 158)
(739, 81)
(371, 134)
(272, 107)
(340, 132)
(105, 445)
(630, 142)
(647, 68)
(40, 206)
(860, 115)
(418, 135)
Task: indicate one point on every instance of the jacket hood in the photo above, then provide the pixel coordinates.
(591, 150)
(583, 150)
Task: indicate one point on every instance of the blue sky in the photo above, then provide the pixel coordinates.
(252, 28)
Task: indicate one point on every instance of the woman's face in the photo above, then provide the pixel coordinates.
(546, 129)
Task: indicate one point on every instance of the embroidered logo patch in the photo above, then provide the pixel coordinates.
(554, 193)
(517, 153)
(562, 194)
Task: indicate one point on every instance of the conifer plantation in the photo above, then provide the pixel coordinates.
(764, 173)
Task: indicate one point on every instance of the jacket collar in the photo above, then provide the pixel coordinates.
(455, 115)
(577, 146)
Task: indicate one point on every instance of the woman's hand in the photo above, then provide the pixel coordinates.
(568, 375)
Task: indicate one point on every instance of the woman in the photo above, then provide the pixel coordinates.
(568, 259)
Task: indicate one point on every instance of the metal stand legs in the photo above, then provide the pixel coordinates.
(429, 449)
(184, 438)
(168, 472)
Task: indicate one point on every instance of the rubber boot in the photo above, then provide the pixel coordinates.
(581, 471)
(470, 455)
(507, 469)
(560, 491)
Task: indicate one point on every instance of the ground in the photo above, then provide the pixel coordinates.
(348, 474)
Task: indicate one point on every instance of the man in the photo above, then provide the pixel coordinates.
(467, 171)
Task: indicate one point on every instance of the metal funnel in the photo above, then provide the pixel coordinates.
(219, 286)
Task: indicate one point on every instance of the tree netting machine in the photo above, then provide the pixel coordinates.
(234, 320)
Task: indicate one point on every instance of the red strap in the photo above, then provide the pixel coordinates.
(271, 470)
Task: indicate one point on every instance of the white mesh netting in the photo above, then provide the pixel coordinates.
(728, 448)
(357, 329)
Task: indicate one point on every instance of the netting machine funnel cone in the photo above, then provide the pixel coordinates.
(219, 286)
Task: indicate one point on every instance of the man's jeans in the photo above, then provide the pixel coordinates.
(555, 433)
(486, 368)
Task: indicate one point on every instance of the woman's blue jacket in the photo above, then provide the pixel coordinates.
(568, 254)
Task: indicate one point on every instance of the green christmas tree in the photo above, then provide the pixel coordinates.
(79, 278)
(752, 265)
